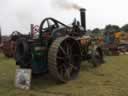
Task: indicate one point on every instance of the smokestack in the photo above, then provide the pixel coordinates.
(83, 18)
(31, 29)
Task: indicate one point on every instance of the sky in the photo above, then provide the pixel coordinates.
(19, 14)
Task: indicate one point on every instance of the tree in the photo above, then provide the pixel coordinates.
(112, 28)
(125, 28)
(96, 31)
(88, 32)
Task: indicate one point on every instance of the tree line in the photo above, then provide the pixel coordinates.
(109, 28)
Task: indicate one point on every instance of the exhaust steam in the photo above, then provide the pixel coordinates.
(65, 4)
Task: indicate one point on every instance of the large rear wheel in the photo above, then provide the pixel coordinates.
(64, 59)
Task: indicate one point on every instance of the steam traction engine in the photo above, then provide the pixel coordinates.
(56, 49)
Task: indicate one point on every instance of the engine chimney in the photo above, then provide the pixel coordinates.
(83, 18)
(31, 29)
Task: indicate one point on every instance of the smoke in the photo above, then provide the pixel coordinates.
(65, 4)
(19, 14)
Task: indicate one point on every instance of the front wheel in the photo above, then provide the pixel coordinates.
(23, 53)
(96, 57)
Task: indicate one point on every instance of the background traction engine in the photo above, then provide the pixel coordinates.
(56, 49)
(8, 45)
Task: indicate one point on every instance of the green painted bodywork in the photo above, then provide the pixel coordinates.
(39, 51)
(40, 57)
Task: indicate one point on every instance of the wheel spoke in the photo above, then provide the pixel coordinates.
(48, 23)
(68, 50)
(73, 67)
(67, 74)
(61, 69)
(63, 51)
(72, 44)
(66, 45)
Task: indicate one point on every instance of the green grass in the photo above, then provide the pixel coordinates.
(110, 79)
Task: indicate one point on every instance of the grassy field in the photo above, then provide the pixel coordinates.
(110, 79)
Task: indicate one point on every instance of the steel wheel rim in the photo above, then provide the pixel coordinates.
(67, 59)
